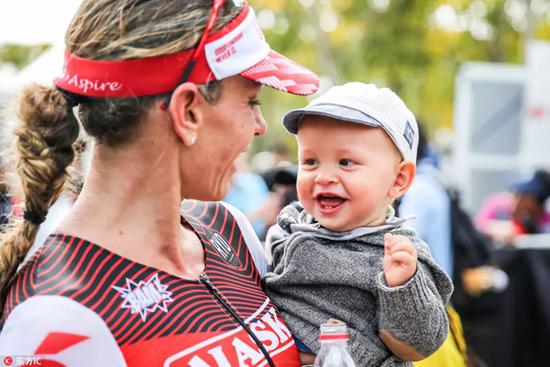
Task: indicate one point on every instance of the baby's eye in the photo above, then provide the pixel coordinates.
(309, 162)
(346, 163)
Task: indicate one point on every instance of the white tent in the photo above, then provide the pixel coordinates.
(7, 82)
(501, 123)
(42, 70)
(34, 22)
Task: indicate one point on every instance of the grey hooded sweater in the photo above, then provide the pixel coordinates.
(319, 274)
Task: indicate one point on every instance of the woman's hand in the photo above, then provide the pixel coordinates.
(399, 260)
(307, 358)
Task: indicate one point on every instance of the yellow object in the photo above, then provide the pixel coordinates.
(452, 352)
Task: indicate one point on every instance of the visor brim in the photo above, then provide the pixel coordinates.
(280, 72)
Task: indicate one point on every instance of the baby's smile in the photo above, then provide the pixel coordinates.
(329, 202)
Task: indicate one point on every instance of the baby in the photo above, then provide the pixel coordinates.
(341, 252)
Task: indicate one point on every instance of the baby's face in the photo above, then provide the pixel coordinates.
(346, 172)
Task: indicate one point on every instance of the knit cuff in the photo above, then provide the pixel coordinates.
(413, 312)
(415, 289)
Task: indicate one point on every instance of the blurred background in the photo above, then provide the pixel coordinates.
(417, 48)
(477, 73)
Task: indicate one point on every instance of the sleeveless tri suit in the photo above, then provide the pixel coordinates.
(75, 303)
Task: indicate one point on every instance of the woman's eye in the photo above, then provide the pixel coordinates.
(254, 102)
(346, 163)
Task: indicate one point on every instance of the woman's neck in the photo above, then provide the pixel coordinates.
(130, 205)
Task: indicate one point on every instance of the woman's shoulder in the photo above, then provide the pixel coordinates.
(56, 325)
(223, 218)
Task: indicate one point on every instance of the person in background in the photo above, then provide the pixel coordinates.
(282, 184)
(148, 268)
(428, 201)
(282, 181)
(503, 216)
(250, 194)
(247, 193)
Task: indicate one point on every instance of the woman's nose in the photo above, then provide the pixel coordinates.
(260, 126)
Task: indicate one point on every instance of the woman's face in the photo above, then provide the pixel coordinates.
(526, 209)
(227, 129)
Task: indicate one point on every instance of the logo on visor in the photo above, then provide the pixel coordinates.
(409, 134)
(228, 49)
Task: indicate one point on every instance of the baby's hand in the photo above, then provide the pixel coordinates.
(399, 259)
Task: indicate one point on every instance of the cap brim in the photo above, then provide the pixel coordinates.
(292, 119)
(279, 72)
(531, 187)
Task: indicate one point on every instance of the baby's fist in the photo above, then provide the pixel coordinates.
(399, 259)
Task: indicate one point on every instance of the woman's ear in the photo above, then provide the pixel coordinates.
(185, 110)
(403, 180)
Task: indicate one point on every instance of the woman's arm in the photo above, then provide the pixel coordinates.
(60, 330)
(307, 358)
(400, 349)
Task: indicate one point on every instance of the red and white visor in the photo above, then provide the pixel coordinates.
(237, 48)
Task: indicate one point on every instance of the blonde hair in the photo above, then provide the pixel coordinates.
(100, 30)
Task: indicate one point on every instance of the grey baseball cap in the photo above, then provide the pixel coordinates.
(364, 104)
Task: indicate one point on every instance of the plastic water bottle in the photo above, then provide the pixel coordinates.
(334, 341)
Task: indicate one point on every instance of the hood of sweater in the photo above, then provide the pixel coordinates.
(294, 219)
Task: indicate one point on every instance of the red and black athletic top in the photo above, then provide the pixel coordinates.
(75, 303)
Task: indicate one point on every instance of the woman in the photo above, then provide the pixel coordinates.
(168, 90)
(504, 216)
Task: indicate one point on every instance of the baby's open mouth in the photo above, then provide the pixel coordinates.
(329, 201)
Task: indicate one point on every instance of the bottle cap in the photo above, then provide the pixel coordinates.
(333, 330)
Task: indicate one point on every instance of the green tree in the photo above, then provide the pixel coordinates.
(397, 43)
(20, 55)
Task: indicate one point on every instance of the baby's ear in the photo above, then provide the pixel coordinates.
(403, 180)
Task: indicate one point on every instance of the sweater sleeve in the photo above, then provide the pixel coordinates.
(414, 313)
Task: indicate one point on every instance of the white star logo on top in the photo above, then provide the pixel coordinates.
(145, 297)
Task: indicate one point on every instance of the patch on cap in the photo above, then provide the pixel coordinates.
(409, 134)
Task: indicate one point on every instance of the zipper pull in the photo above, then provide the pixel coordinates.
(215, 291)
(206, 281)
